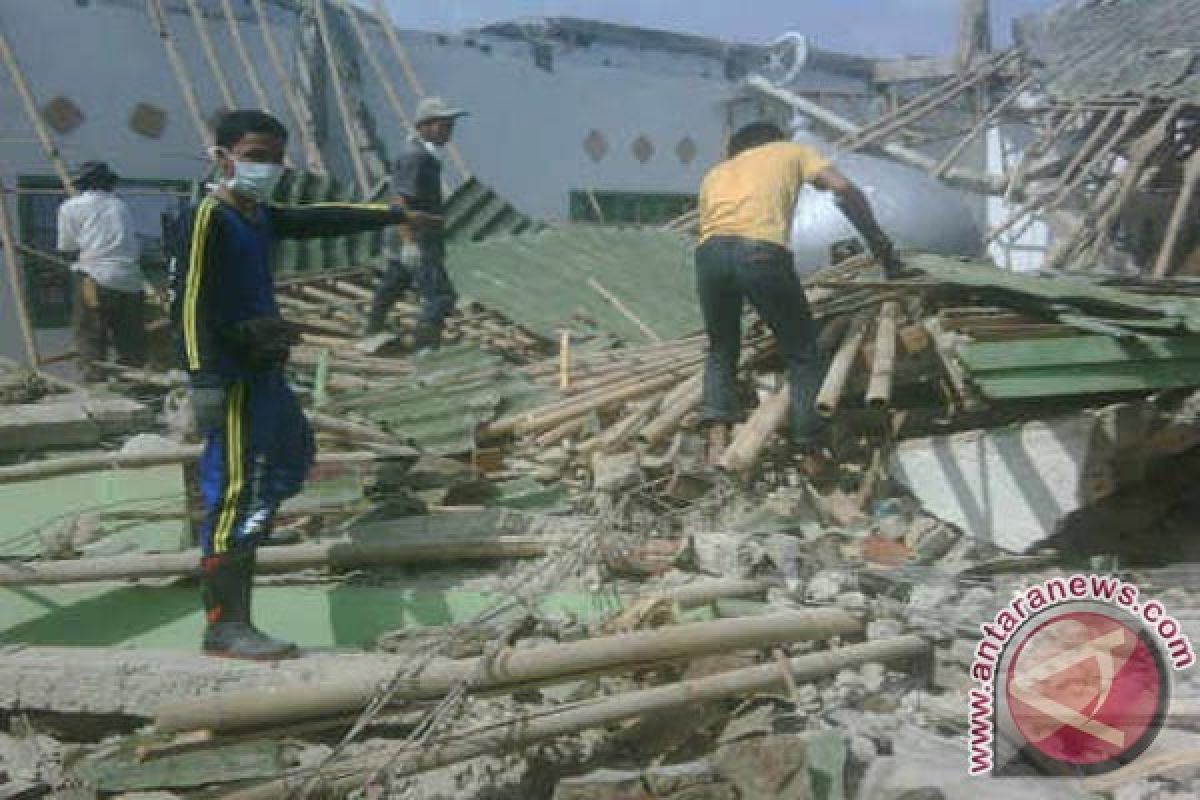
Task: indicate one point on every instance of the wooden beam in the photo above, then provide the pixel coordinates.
(1142, 154)
(312, 149)
(380, 73)
(210, 55)
(624, 310)
(974, 32)
(909, 70)
(158, 17)
(1184, 205)
(354, 137)
(923, 105)
(968, 180)
(14, 263)
(248, 66)
(32, 113)
(385, 21)
(986, 122)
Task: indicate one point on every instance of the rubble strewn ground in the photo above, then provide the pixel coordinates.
(852, 598)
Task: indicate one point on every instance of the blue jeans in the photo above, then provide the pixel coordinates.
(730, 270)
(432, 282)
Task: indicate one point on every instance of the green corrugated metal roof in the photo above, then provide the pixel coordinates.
(1058, 294)
(541, 280)
(1082, 365)
(452, 392)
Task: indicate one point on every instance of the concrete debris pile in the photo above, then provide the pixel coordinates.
(541, 575)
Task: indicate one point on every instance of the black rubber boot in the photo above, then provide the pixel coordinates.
(226, 585)
(375, 320)
(427, 337)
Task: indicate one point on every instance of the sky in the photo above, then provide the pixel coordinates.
(880, 28)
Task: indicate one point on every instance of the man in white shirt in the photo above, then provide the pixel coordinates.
(108, 280)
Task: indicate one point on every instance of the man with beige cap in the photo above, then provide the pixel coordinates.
(417, 185)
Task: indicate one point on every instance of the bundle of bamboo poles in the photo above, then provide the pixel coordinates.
(652, 389)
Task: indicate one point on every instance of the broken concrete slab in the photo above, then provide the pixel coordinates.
(42, 426)
(96, 680)
(766, 767)
(1013, 486)
(603, 784)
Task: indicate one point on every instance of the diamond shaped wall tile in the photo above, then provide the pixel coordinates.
(643, 148)
(62, 114)
(148, 120)
(595, 145)
(686, 150)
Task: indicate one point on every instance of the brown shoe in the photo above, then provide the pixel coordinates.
(718, 441)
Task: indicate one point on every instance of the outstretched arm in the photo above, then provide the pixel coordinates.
(341, 219)
(853, 203)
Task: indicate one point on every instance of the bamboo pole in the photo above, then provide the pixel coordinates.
(839, 370)
(879, 387)
(158, 17)
(674, 409)
(564, 359)
(620, 432)
(389, 30)
(944, 347)
(376, 65)
(337, 555)
(97, 462)
(248, 65)
(556, 435)
(353, 137)
(530, 729)
(624, 310)
(16, 279)
(210, 55)
(743, 452)
(312, 149)
(511, 667)
(1179, 216)
(550, 416)
(32, 113)
(353, 430)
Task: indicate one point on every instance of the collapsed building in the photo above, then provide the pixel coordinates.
(511, 571)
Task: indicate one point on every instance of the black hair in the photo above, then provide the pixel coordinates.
(95, 175)
(753, 135)
(233, 125)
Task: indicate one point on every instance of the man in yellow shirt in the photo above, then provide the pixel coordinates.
(746, 208)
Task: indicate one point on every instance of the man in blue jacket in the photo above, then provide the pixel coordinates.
(234, 343)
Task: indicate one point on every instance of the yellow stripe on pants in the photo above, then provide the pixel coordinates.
(235, 459)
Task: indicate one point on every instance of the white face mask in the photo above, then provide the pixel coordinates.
(253, 179)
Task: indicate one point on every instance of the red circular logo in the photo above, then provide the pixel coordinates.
(1087, 690)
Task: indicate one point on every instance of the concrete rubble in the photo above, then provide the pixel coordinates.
(926, 524)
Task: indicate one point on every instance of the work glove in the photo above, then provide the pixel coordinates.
(410, 256)
(262, 343)
(208, 407)
(885, 253)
